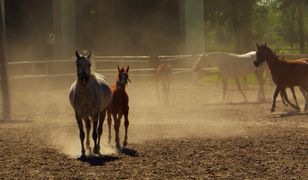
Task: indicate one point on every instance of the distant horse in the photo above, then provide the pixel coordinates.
(284, 73)
(119, 106)
(162, 75)
(89, 96)
(234, 66)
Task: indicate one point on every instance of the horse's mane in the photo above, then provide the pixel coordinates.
(270, 51)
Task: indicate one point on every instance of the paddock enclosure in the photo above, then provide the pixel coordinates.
(198, 135)
(195, 135)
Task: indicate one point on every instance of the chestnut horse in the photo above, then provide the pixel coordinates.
(163, 74)
(284, 73)
(119, 106)
(89, 96)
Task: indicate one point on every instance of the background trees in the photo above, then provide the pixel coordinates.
(237, 24)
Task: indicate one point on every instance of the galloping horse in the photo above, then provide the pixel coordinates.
(89, 96)
(163, 74)
(119, 106)
(233, 66)
(284, 73)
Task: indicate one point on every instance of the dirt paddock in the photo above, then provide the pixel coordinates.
(197, 136)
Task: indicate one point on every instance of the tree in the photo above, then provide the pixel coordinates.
(301, 25)
(3, 70)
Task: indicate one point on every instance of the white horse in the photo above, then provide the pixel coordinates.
(89, 96)
(234, 66)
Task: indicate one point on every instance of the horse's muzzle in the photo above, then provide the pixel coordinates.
(83, 79)
(256, 63)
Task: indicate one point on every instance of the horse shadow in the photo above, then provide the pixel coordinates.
(292, 113)
(129, 152)
(99, 160)
(236, 103)
(14, 121)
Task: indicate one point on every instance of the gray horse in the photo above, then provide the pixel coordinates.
(234, 66)
(89, 96)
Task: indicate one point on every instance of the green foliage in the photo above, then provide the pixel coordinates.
(272, 21)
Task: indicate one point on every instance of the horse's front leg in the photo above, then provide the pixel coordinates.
(274, 98)
(81, 134)
(101, 120)
(126, 124)
(117, 123)
(88, 127)
(240, 88)
(109, 120)
(94, 133)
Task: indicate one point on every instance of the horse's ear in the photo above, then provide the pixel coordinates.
(89, 55)
(127, 69)
(265, 44)
(257, 45)
(77, 54)
(118, 68)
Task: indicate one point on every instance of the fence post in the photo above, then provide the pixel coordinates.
(93, 62)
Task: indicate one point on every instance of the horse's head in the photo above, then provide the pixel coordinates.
(123, 78)
(263, 54)
(83, 67)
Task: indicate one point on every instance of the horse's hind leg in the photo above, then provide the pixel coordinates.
(109, 120)
(295, 98)
(101, 120)
(239, 88)
(261, 81)
(285, 96)
(224, 87)
(81, 134)
(283, 99)
(126, 124)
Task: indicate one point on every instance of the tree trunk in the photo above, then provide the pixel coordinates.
(3, 70)
(301, 26)
(247, 25)
(293, 15)
(236, 25)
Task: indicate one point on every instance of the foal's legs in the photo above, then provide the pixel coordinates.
(109, 120)
(81, 134)
(126, 124)
(239, 88)
(101, 120)
(117, 123)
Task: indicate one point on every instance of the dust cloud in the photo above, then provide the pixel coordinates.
(193, 112)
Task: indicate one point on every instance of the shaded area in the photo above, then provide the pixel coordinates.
(99, 160)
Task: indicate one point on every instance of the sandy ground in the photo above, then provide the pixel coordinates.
(197, 136)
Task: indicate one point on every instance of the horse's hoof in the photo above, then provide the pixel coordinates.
(118, 146)
(82, 158)
(96, 150)
(125, 143)
(272, 110)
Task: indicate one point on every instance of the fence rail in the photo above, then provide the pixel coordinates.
(140, 66)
